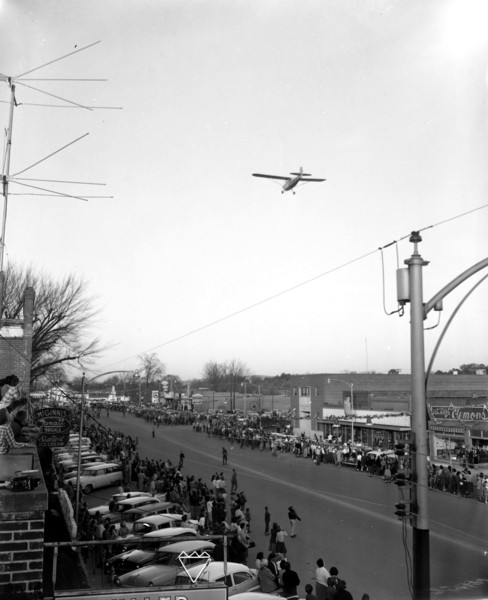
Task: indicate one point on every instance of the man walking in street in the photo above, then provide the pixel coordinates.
(267, 519)
(293, 518)
(224, 456)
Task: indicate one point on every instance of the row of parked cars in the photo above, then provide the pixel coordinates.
(95, 471)
(163, 547)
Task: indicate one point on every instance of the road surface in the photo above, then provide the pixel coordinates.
(347, 517)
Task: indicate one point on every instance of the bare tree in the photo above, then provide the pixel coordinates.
(152, 368)
(235, 371)
(63, 318)
(214, 374)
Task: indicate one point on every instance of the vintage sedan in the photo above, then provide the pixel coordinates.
(104, 509)
(98, 476)
(237, 577)
(162, 566)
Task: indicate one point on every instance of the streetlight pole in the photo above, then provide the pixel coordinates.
(351, 387)
(420, 521)
(82, 410)
(418, 312)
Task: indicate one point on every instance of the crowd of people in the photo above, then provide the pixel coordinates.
(13, 416)
(218, 506)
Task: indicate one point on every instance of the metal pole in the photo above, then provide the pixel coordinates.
(5, 193)
(77, 491)
(352, 413)
(420, 525)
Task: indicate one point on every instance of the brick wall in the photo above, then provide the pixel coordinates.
(21, 538)
(16, 344)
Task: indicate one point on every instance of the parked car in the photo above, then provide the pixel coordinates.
(104, 509)
(144, 567)
(237, 577)
(72, 470)
(170, 535)
(85, 459)
(98, 476)
(155, 523)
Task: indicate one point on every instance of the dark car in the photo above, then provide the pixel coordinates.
(167, 564)
(148, 550)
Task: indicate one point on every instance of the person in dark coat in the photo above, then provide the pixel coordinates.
(290, 580)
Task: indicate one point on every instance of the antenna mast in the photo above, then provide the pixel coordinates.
(5, 182)
(6, 178)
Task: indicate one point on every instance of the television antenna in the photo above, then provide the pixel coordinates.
(26, 183)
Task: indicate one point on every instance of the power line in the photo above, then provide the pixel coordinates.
(294, 287)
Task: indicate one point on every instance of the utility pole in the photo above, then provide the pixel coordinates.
(420, 522)
(5, 182)
(419, 446)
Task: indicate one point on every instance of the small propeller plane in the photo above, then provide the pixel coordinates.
(290, 182)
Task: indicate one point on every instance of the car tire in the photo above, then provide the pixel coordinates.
(88, 489)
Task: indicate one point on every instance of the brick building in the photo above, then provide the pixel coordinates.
(16, 344)
(22, 514)
(378, 404)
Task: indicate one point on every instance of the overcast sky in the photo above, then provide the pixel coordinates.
(195, 259)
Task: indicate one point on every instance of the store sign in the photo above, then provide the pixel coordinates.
(449, 430)
(459, 413)
(54, 424)
(204, 593)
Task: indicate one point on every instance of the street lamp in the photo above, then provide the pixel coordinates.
(351, 387)
(80, 435)
(244, 383)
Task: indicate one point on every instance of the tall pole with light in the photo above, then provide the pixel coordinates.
(409, 282)
(84, 385)
(351, 388)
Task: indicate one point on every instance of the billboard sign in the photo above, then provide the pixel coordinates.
(201, 593)
(54, 424)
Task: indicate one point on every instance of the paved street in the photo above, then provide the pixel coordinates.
(347, 517)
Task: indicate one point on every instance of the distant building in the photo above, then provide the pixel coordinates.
(377, 408)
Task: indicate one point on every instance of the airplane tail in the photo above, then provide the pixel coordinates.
(302, 173)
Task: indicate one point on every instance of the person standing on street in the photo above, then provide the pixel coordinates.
(267, 519)
(290, 580)
(321, 577)
(224, 456)
(293, 518)
(233, 482)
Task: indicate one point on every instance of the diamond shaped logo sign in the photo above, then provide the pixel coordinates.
(190, 559)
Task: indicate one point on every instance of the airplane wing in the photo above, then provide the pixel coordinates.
(311, 179)
(270, 176)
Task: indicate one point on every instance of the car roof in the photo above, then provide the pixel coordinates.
(152, 508)
(156, 519)
(134, 501)
(100, 466)
(215, 569)
(188, 545)
(169, 532)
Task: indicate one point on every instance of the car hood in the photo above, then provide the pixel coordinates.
(133, 556)
(155, 574)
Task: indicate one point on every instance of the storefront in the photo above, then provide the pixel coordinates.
(459, 432)
(373, 430)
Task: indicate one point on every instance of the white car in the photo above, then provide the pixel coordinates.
(98, 476)
(104, 509)
(237, 577)
(155, 523)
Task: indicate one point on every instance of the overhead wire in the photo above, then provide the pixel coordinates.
(295, 287)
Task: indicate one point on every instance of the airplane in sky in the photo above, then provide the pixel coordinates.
(290, 182)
